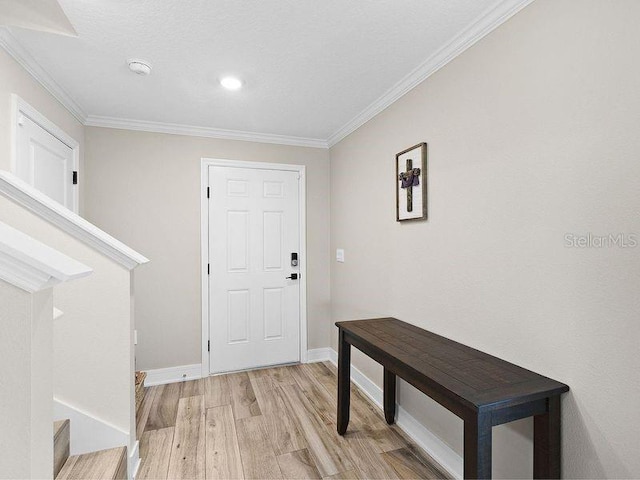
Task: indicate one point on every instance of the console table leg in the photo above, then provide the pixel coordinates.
(477, 447)
(344, 385)
(389, 396)
(546, 441)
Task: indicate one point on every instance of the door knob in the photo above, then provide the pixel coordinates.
(294, 276)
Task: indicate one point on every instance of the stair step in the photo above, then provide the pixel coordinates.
(60, 445)
(108, 464)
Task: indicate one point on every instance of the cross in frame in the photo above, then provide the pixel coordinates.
(409, 179)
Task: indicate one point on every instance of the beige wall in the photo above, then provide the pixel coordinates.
(144, 188)
(532, 133)
(15, 79)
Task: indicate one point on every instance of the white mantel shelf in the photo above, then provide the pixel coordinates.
(33, 266)
(24, 194)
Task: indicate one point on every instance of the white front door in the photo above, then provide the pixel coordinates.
(254, 309)
(45, 162)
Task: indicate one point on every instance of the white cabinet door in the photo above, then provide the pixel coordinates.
(45, 162)
(254, 312)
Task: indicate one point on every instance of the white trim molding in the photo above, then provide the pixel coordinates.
(204, 247)
(197, 131)
(134, 460)
(482, 26)
(33, 266)
(446, 457)
(318, 355)
(182, 373)
(26, 60)
(24, 194)
(89, 433)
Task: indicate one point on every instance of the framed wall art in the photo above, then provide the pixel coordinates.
(411, 183)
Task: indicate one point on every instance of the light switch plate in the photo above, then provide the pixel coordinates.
(340, 255)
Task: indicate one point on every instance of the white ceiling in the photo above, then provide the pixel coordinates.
(312, 68)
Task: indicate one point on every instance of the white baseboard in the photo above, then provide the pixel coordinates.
(318, 355)
(424, 438)
(88, 433)
(133, 461)
(160, 376)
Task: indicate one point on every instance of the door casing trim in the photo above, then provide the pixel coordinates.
(204, 246)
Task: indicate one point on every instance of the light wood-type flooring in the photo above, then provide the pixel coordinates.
(272, 423)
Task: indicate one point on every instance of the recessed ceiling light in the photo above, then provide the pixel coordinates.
(140, 67)
(231, 83)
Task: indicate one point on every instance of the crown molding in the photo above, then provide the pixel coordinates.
(24, 194)
(26, 60)
(196, 131)
(33, 266)
(483, 25)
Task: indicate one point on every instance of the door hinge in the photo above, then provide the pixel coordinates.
(207, 192)
(208, 345)
(208, 269)
(75, 177)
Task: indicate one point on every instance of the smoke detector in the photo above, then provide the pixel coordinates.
(139, 67)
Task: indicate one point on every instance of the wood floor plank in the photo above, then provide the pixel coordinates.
(187, 459)
(61, 444)
(319, 397)
(263, 387)
(371, 434)
(223, 459)
(191, 388)
(324, 443)
(320, 373)
(100, 465)
(243, 398)
(281, 375)
(407, 465)
(280, 426)
(427, 460)
(277, 376)
(258, 458)
(283, 432)
(155, 450)
(142, 414)
(386, 438)
(216, 391)
(348, 475)
(164, 407)
(366, 456)
(298, 464)
(363, 408)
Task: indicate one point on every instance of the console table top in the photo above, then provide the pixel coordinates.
(464, 374)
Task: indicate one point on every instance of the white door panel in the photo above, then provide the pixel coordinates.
(44, 162)
(254, 317)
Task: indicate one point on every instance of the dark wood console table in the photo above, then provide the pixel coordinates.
(479, 388)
